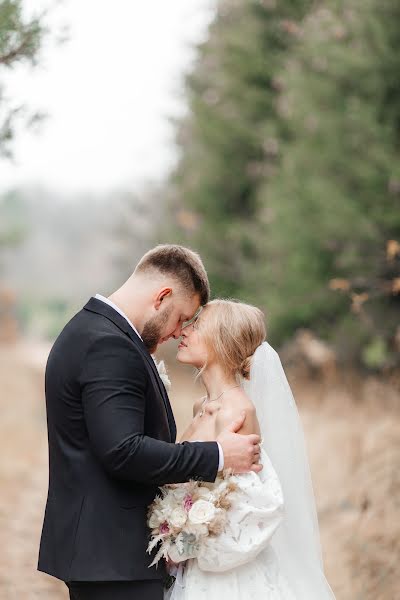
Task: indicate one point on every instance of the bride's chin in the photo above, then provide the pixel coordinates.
(179, 358)
(182, 359)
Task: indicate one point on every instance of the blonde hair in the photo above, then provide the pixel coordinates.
(232, 331)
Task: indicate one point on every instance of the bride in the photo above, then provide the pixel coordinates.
(270, 547)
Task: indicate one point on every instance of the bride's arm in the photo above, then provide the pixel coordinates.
(229, 414)
(252, 521)
(255, 515)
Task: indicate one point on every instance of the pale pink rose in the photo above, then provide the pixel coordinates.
(164, 527)
(188, 502)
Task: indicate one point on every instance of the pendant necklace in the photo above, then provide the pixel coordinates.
(205, 401)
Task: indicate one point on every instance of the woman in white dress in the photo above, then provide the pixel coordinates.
(270, 548)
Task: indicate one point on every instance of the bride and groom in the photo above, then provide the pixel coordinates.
(112, 443)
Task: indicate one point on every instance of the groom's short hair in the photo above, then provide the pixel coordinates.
(180, 262)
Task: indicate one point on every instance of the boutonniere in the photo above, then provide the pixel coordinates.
(162, 371)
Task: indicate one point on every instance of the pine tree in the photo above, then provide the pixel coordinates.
(20, 41)
(288, 178)
(335, 201)
(223, 142)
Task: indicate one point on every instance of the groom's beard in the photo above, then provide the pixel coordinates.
(151, 333)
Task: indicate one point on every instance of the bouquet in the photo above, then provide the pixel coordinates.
(187, 513)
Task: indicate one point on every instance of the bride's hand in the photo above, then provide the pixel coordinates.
(241, 452)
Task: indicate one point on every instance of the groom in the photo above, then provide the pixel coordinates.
(112, 433)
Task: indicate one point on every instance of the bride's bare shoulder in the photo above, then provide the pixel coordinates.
(238, 401)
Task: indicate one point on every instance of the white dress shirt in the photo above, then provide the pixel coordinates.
(116, 308)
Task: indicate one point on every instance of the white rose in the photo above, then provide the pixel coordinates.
(165, 513)
(204, 493)
(154, 520)
(179, 493)
(178, 517)
(202, 511)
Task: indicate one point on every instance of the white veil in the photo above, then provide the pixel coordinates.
(296, 542)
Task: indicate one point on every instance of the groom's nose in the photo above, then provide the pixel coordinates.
(178, 332)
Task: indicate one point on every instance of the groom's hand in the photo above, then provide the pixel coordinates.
(241, 452)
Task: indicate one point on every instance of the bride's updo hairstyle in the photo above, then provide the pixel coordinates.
(232, 331)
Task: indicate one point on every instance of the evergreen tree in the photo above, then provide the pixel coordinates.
(20, 40)
(224, 139)
(335, 202)
(288, 181)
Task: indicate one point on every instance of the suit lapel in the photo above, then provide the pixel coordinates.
(100, 307)
(138, 342)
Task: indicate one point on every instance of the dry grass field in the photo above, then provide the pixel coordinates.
(352, 429)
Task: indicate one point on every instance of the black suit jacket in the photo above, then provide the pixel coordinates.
(111, 436)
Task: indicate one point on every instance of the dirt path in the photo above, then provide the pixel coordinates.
(354, 462)
(23, 475)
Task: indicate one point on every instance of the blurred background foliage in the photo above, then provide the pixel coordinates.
(20, 41)
(287, 179)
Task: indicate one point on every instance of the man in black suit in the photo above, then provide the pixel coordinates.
(112, 433)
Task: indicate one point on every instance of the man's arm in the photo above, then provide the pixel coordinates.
(114, 383)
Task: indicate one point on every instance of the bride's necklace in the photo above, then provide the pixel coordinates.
(206, 400)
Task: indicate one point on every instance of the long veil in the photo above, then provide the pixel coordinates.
(296, 542)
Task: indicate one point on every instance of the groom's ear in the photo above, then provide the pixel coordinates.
(161, 295)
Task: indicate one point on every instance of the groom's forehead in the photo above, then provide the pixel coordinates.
(189, 304)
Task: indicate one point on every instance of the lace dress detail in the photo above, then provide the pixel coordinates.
(240, 563)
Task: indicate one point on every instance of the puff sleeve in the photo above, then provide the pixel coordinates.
(256, 512)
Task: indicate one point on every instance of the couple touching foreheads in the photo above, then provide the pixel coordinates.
(112, 443)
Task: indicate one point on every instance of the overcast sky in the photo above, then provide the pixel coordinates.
(108, 92)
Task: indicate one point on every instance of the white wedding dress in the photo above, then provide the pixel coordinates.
(270, 549)
(240, 564)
